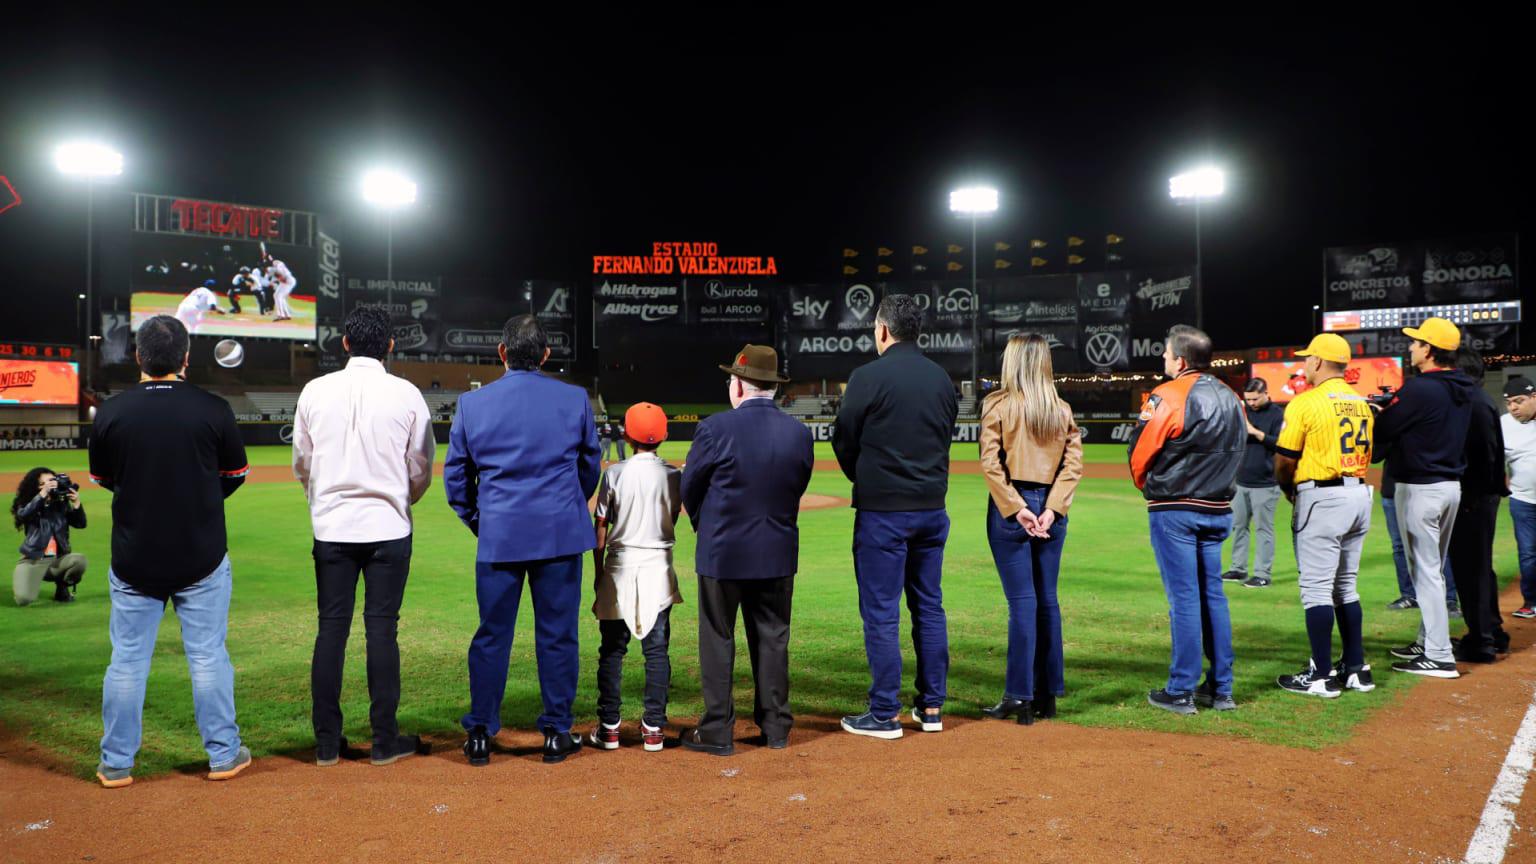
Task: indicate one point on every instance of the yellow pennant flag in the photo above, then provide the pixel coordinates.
(955, 266)
(1000, 246)
(1037, 244)
(884, 252)
(883, 269)
(1074, 241)
(919, 250)
(1000, 264)
(1038, 262)
(955, 250)
(849, 271)
(1114, 240)
(1074, 259)
(850, 253)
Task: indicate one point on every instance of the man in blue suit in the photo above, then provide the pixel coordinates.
(522, 462)
(746, 471)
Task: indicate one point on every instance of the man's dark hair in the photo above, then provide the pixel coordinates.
(1442, 358)
(525, 342)
(162, 346)
(1470, 363)
(1256, 385)
(1191, 344)
(368, 332)
(901, 316)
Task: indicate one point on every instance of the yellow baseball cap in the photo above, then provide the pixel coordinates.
(1328, 346)
(1438, 332)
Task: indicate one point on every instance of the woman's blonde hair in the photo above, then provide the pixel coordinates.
(1028, 380)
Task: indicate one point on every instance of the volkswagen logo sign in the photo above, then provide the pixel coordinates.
(1103, 349)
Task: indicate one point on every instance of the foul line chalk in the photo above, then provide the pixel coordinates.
(1492, 835)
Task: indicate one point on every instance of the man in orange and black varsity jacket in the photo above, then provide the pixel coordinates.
(1184, 456)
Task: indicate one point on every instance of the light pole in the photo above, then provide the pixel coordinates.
(975, 202)
(89, 160)
(1193, 187)
(389, 191)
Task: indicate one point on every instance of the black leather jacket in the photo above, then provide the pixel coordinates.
(42, 519)
(1186, 450)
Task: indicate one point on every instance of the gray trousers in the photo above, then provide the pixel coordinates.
(1255, 504)
(1329, 526)
(1426, 514)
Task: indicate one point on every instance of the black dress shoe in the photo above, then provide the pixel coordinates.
(776, 743)
(691, 741)
(327, 755)
(62, 594)
(1044, 706)
(389, 752)
(1004, 709)
(477, 747)
(558, 745)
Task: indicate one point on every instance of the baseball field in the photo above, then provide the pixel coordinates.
(1398, 774)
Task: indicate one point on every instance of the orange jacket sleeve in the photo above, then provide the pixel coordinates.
(1162, 418)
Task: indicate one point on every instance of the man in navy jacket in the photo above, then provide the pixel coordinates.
(746, 471)
(522, 463)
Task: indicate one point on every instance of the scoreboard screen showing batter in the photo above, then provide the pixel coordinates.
(1366, 374)
(39, 382)
(225, 286)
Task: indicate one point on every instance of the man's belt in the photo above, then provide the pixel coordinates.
(1323, 484)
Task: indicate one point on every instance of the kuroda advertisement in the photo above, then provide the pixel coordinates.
(39, 382)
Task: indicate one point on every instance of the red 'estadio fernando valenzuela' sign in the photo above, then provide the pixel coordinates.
(685, 259)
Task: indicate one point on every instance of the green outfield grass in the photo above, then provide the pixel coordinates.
(1115, 620)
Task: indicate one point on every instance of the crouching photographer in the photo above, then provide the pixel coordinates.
(47, 505)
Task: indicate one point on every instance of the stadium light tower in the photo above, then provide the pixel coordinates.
(1206, 183)
(975, 202)
(389, 191)
(90, 160)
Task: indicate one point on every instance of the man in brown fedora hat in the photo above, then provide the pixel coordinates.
(742, 484)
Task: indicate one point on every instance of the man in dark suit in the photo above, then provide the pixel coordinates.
(746, 471)
(892, 440)
(522, 463)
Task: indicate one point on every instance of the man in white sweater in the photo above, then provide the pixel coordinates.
(363, 448)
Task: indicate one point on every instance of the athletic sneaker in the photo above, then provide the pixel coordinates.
(1426, 666)
(1233, 576)
(1207, 697)
(1411, 651)
(1360, 679)
(930, 721)
(651, 736)
(1524, 612)
(1403, 603)
(233, 767)
(1308, 683)
(114, 778)
(1257, 581)
(606, 737)
(868, 724)
(1178, 703)
(1453, 609)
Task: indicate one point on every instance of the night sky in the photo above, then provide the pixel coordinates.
(529, 163)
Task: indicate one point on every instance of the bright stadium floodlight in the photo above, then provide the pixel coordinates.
(388, 189)
(973, 200)
(1200, 184)
(88, 158)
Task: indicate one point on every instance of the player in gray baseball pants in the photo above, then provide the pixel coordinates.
(1426, 514)
(1329, 526)
(1255, 504)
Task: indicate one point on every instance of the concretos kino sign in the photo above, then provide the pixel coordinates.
(683, 259)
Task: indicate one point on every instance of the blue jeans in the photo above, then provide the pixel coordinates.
(892, 553)
(1187, 545)
(1028, 567)
(203, 611)
(555, 584)
(1400, 561)
(1523, 516)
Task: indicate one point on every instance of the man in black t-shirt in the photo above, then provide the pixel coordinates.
(1253, 505)
(170, 453)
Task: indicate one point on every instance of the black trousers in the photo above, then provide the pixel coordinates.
(610, 669)
(384, 566)
(765, 606)
(1471, 562)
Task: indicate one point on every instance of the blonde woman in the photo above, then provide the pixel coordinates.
(1032, 456)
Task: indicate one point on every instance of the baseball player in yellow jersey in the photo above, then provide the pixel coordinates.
(1321, 458)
